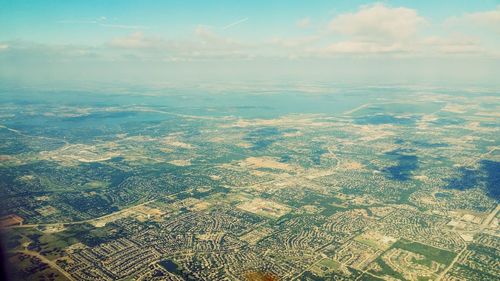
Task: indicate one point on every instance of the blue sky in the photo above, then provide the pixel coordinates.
(79, 35)
(64, 21)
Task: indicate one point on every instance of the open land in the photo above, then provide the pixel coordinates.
(361, 184)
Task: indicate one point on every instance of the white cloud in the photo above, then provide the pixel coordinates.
(374, 29)
(295, 42)
(452, 45)
(362, 48)
(378, 29)
(212, 39)
(378, 22)
(485, 19)
(3, 46)
(204, 44)
(303, 23)
(136, 40)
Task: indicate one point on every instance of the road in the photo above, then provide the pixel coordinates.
(443, 273)
(81, 221)
(49, 262)
(483, 225)
(490, 217)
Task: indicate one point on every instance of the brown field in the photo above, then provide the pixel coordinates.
(10, 220)
(265, 208)
(264, 162)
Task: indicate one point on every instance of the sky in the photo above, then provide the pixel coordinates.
(164, 41)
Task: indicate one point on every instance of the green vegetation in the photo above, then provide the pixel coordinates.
(385, 270)
(431, 253)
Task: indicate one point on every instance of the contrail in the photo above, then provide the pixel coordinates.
(123, 26)
(235, 23)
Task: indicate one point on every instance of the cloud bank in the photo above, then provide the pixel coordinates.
(361, 38)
